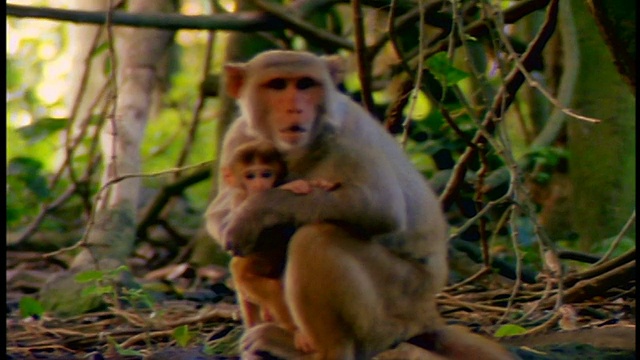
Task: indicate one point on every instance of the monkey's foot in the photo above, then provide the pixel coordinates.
(269, 341)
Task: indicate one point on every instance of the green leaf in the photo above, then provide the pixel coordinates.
(128, 352)
(22, 165)
(42, 128)
(118, 270)
(423, 162)
(352, 82)
(122, 351)
(96, 290)
(509, 330)
(100, 49)
(27, 170)
(89, 275)
(543, 178)
(89, 291)
(444, 71)
(30, 307)
(182, 335)
(421, 109)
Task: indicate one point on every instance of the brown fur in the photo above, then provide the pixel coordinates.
(351, 295)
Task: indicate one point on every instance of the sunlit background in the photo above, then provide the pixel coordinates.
(40, 65)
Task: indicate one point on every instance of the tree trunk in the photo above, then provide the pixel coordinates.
(602, 156)
(617, 23)
(138, 51)
(112, 234)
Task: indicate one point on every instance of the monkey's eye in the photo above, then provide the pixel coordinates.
(267, 174)
(276, 84)
(305, 83)
(250, 176)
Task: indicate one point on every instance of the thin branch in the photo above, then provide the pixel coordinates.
(601, 268)
(71, 143)
(556, 123)
(110, 159)
(195, 120)
(618, 238)
(502, 101)
(29, 231)
(531, 81)
(169, 191)
(587, 289)
(298, 25)
(480, 28)
(112, 181)
(413, 95)
(244, 21)
(151, 212)
(364, 68)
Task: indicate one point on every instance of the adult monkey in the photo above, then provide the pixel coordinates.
(352, 296)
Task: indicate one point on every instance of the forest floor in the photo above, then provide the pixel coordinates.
(191, 314)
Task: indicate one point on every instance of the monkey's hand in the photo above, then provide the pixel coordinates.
(300, 187)
(251, 223)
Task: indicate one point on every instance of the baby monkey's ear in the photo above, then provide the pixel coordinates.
(227, 176)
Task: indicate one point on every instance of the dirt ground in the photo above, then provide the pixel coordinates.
(192, 315)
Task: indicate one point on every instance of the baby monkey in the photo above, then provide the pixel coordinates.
(255, 167)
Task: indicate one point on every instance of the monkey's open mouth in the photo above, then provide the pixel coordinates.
(294, 129)
(292, 133)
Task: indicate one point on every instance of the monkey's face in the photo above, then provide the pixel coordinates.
(293, 104)
(257, 178)
(283, 94)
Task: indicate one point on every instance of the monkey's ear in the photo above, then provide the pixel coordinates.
(235, 75)
(227, 176)
(335, 64)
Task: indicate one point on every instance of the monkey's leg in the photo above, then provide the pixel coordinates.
(351, 297)
(457, 343)
(321, 282)
(251, 314)
(269, 295)
(354, 298)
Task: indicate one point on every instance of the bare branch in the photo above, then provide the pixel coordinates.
(364, 67)
(244, 21)
(302, 27)
(502, 101)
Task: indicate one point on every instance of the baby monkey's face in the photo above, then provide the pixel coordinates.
(258, 177)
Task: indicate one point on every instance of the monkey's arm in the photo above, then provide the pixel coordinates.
(369, 198)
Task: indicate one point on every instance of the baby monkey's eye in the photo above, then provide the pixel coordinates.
(250, 176)
(267, 174)
(276, 84)
(305, 83)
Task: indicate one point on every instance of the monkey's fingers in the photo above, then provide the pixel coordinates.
(325, 185)
(299, 187)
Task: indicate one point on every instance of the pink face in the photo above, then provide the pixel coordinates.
(292, 105)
